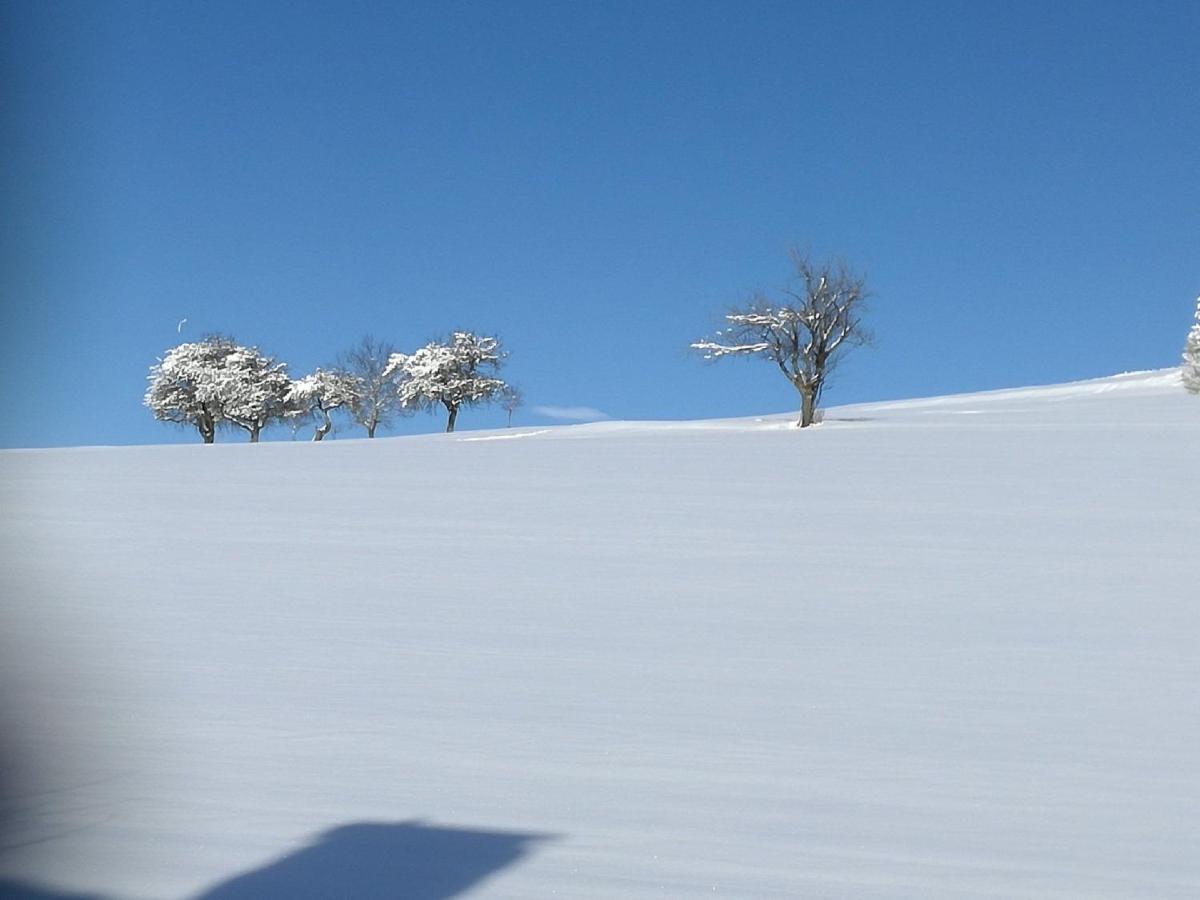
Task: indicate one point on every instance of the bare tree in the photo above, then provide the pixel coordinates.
(377, 403)
(816, 321)
(511, 399)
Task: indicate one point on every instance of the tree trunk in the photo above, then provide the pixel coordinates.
(371, 429)
(808, 406)
(453, 410)
(207, 428)
(254, 434)
(324, 428)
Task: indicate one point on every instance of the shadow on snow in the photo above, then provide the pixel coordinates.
(366, 861)
(377, 861)
(15, 890)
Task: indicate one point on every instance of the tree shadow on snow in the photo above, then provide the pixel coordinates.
(15, 890)
(380, 861)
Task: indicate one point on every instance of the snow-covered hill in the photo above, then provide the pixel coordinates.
(936, 648)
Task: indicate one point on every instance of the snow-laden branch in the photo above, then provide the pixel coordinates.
(712, 350)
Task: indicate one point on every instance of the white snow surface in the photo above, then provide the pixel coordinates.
(933, 648)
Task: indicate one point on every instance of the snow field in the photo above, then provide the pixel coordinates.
(931, 648)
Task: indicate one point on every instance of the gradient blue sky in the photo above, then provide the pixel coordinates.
(1020, 182)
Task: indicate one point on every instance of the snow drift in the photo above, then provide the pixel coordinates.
(942, 647)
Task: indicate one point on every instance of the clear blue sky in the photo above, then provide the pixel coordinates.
(1020, 182)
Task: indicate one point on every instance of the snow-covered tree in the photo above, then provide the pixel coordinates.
(185, 385)
(805, 334)
(377, 403)
(322, 392)
(214, 382)
(455, 373)
(254, 390)
(1191, 356)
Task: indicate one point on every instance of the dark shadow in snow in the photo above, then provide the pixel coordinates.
(15, 890)
(382, 861)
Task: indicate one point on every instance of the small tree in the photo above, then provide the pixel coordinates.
(377, 403)
(185, 385)
(1191, 356)
(805, 334)
(511, 399)
(454, 373)
(319, 394)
